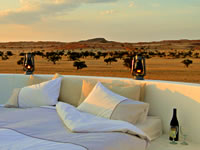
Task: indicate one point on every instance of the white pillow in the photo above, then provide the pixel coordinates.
(127, 89)
(131, 111)
(45, 93)
(105, 103)
(101, 101)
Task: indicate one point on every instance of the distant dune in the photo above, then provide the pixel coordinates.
(103, 44)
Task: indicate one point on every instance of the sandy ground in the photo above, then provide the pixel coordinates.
(157, 68)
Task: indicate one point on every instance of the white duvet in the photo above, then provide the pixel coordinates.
(12, 140)
(82, 122)
(44, 130)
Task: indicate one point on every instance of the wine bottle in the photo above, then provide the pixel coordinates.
(174, 127)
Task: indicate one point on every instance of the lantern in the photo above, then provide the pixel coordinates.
(138, 67)
(29, 65)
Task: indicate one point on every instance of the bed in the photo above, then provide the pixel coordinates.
(36, 124)
(41, 128)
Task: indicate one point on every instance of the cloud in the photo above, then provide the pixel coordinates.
(131, 4)
(31, 11)
(107, 12)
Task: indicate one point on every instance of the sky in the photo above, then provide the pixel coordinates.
(116, 20)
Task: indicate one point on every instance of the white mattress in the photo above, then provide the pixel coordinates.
(152, 127)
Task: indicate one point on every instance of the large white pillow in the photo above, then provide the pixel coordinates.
(105, 103)
(101, 101)
(45, 93)
(127, 89)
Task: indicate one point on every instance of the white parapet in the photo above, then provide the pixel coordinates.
(162, 96)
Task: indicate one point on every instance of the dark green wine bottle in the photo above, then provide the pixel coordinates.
(174, 127)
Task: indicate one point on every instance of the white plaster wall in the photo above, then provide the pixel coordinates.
(162, 97)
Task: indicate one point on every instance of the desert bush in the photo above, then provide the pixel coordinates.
(9, 53)
(74, 56)
(53, 57)
(187, 62)
(4, 57)
(110, 60)
(39, 53)
(97, 56)
(21, 61)
(104, 54)
(92, 54)
(85, 54)
(79, 65)
(128, 62)
(1, 53)
(22, 54)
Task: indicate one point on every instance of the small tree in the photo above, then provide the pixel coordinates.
(110, 60)
(128, 62)
(187, 62)
(104, 54)
(9, 53)
(22, 54)
(107, 60)
(1, 53)
(80, 64)
(54, 58)
(97, 56)
(21, 61)
(4, 57)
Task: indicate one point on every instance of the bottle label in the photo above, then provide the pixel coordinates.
(173, 132)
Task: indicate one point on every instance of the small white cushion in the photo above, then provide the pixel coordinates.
(13, 100)
(101, 101)
(45, 93)
(152, 127)
(105, 103)
(131, 111)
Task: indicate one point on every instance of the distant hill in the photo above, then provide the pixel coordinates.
(96, 40)
(103, 44)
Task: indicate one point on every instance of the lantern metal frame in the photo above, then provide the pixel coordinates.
(138, 67)
(29, 64)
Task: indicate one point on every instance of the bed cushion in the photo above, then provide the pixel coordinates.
(67, 92)
(131, 111)
(130, 90)
(101, 101)
(152, 127)
(105, 103)
(45, 93)
(13, 100)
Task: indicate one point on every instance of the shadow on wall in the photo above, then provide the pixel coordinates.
(163, 97)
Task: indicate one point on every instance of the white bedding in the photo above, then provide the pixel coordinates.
(42, 128)
(82, 122)
(12, 140)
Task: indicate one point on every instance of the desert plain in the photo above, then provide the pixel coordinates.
(157, 68)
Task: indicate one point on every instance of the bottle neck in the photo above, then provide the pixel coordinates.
(174, 113)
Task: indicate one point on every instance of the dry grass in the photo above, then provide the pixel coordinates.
(157, 68)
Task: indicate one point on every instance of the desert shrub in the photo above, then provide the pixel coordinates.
(79, 65)
(110, 60)
(9, 53)
(1, 53)
(4, 57)
(128, 62)
(21, 61)
(54, 58)
(104, 54)
(97, 56)
(22, 54)
(187, 62)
